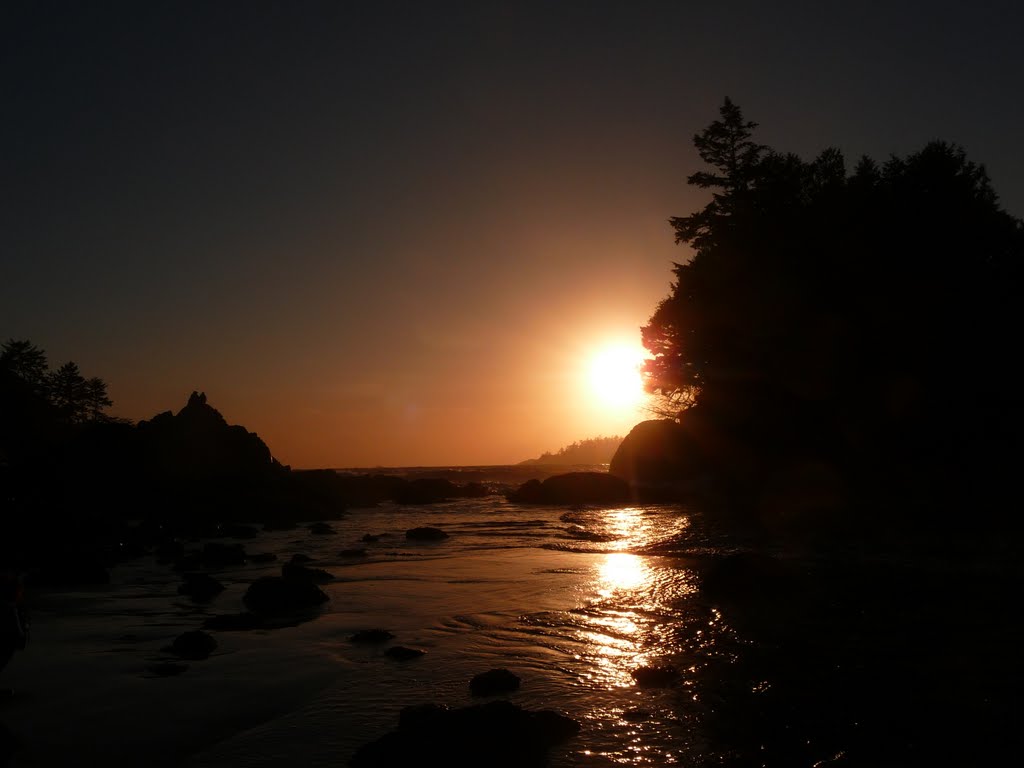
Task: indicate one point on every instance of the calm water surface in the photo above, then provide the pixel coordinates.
(571, 600)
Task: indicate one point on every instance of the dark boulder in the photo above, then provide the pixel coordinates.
(218, 555)
(654, 452)
(475, 490)
(371, 636)
(370, 537)
(321, 529)
(194, 645)
(426, 490)
(234, 622)
(498, 734)
(574, 488)
(297, 572)
(352, 553)
(402, 653)
(166, 669)
(238, 531)
(493, 682)
(262, 557)
(200, 586)
(665, 460)
(277, 595)
(426, 533)
(655, 676)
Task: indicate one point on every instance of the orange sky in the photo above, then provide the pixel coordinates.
(391, 234)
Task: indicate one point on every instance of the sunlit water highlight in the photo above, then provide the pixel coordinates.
(555, 595)
(571, 600)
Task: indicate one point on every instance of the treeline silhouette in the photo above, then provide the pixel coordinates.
(81, 490)
(78, 486)
(593, 450)
(851, 330)
(64, 394)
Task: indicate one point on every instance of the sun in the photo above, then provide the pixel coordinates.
(614, 375)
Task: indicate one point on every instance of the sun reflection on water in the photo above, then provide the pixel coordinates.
(634, 613)
(621, 570)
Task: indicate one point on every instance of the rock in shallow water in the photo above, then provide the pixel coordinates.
(166, 669)
(655, 676)
(234, 622)
(498, 735)
(371, 636)
(275, 595)
(493, 682)
(426, 533)
(193, 645)
(302, 573)
(402, 653)
(200, 586)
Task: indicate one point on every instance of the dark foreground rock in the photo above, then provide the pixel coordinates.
(371, 636)
(234, 622)
(166, 669)
(278, 595)
(298, 572)
(658, 454)
(403, 653)
(498, 734)
(493, 682)
(200, 586)
(194, 645)
(426, 533)
(426, 490)
(574, 488)
(656, 676)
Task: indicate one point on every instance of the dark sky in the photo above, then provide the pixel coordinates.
(393, 233)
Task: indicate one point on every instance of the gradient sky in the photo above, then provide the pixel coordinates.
(393, 233)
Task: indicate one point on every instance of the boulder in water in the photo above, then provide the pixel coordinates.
(371, 636)
(234, 622)
(426, 533)
(498, 734)
(297, 572)
(655, 676)
(277, 595)
(574, 488)
(402, 653)
(193, 645)
(493, 682)
(200, 586)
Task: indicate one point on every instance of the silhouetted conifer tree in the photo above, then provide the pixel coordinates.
(847, 316)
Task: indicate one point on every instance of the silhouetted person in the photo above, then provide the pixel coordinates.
(13, 616)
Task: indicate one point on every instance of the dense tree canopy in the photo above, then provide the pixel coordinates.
(864, 313)
(74, 398)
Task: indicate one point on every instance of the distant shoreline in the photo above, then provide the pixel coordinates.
(504, 474)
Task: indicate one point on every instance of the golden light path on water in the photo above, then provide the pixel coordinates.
(631, 591)
(628, 623)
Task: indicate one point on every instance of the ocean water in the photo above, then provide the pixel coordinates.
(572, 600)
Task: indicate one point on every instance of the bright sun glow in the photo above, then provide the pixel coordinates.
(615, 376)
